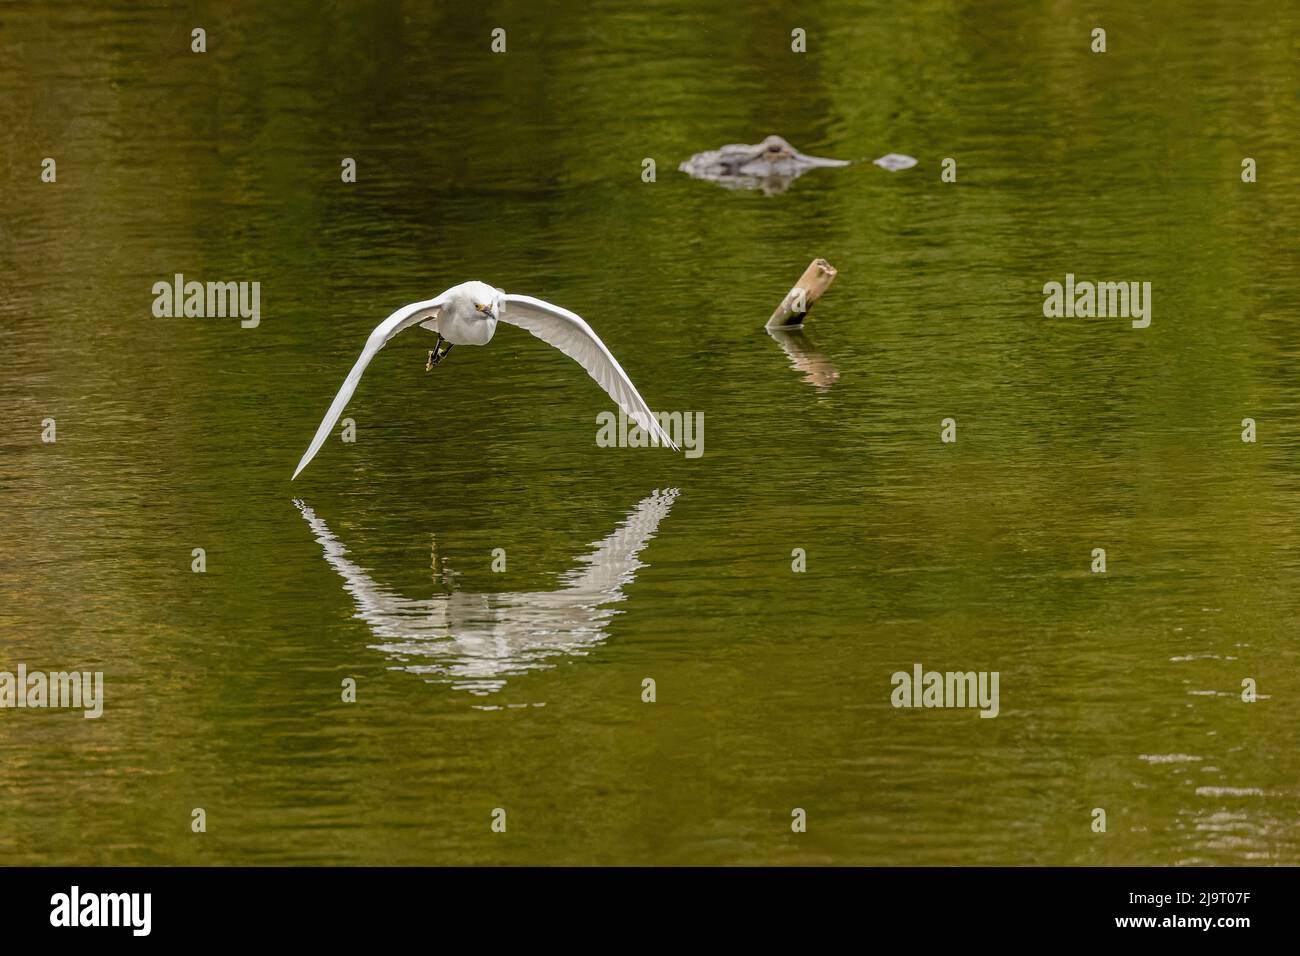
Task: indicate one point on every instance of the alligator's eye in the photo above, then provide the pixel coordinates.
(774, 148)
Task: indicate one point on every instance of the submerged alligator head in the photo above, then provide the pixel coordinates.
(771, 165)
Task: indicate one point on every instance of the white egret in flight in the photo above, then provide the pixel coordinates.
(467, 314)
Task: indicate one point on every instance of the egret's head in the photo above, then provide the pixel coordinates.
(487, 300)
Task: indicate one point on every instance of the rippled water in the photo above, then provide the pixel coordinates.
(522, 689)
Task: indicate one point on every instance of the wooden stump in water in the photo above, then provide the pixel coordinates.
(816, 279)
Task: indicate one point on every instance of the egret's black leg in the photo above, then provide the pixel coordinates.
(439, 352)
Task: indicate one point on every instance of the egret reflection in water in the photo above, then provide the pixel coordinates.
(476, 641)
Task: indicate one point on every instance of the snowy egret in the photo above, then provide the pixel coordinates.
(467, 314)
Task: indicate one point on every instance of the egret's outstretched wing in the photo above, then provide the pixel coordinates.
(575, 338)
(403, 318)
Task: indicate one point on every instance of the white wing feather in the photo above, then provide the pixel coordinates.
(570, 334)
(403, 318)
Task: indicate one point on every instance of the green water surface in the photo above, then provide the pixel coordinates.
(522, 689)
